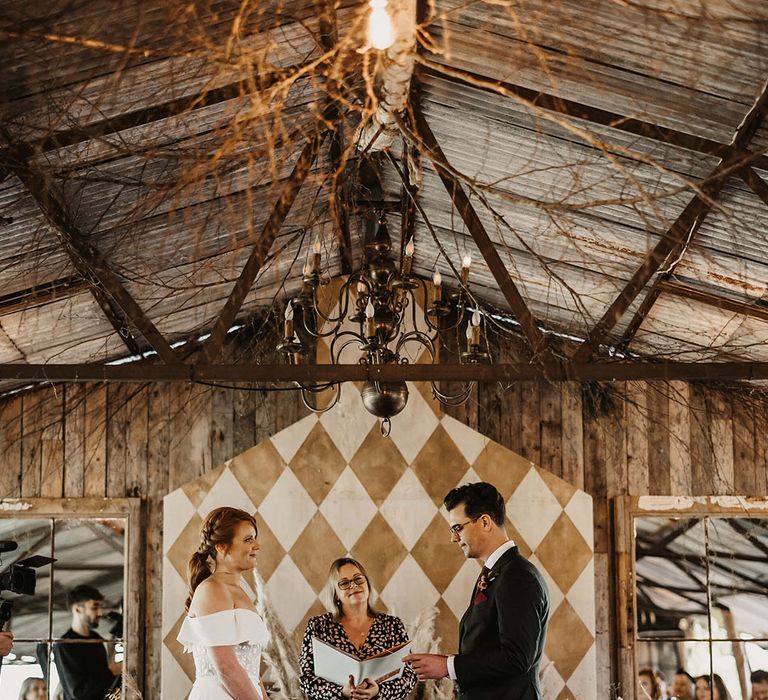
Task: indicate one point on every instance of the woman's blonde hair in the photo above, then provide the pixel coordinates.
(26, 686)
(331, 592)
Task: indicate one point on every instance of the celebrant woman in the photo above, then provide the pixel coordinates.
(354, 627)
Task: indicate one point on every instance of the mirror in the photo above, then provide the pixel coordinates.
(700, 600)
(70, 631)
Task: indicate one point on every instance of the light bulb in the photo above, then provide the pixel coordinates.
(289, 312)
(316, 246)
(437, 278)
(381, 33)
(476, 318)
(469, 332)
(466, 261)
(369, 309)
(409, 247)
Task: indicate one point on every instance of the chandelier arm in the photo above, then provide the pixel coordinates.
(306, 391)
(353, 338)
(343, 303)
(453, 399)
(416, 336)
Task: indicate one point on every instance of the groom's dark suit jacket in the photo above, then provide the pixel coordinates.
(501, 636)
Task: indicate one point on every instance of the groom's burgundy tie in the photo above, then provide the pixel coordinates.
(478, 595)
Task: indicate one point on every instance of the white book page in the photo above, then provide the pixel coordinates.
(337, 666)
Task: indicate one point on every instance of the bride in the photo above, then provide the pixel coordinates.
(222, 629)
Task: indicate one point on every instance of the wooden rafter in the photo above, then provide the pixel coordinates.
(756, 183)
(119, 307)
(587, 113)
(538, 343)
(688, 292)
(508, 372)
(673, 243)
(213, 346)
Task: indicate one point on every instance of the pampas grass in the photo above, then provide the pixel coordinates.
(422, 634)
(280, 656)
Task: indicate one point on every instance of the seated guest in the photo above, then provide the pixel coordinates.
(759, 680)
(33, 689)
(650, 689)
(353, 626)
(682, 686)
(84, 667)
(704, 691)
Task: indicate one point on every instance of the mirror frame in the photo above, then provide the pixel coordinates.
(130, 510)
(625, 510)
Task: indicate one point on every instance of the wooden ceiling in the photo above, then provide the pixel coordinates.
(165, 168)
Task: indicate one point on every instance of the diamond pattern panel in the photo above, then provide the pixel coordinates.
(533, 496)
(565, 624)
(409, 509)
(287, 509)
(380, 550)
(257, 470)
(440, 465)
(378, 464)
(318, 464)
(564, 570)
(226, 491)
(348, 508)
(325, 487)
(440, 558)
(315, 549)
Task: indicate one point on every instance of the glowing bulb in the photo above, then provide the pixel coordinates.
(289, 312)
(409, 247)
(369, 309)
(476, 318)
(437, 279)
(381, 33)
(466, 261)
(469, 332)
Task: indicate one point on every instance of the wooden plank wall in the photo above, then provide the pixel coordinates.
(144, 440)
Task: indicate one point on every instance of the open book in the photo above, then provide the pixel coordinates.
(337, 666)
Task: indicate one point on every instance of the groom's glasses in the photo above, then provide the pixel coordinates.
(346, 583)
(458, 527)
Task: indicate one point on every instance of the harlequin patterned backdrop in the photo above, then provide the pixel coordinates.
(330, 485)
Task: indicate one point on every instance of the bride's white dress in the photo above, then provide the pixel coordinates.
(241, 628)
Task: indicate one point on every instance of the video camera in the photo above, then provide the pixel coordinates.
(20, 578)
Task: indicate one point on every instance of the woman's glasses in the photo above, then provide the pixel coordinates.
(346, 583)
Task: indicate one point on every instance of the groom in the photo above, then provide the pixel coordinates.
(501, 635)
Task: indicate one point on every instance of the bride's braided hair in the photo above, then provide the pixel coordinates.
(218, 529)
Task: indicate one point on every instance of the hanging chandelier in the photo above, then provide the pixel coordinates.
(378, 314)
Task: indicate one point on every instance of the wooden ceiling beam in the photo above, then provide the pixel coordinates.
(119, 307)
(139, 372)
(538, 343)
(756, 183)
(673, 243)
(739, 307)
(213, 346)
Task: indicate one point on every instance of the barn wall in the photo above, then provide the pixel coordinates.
(142, 440)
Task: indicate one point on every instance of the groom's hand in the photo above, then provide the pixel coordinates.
(428, 666)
